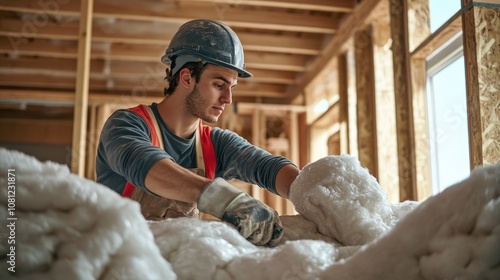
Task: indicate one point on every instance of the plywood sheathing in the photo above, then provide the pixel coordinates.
(384, 99)
(365, 87)
(487, 30)
(482, 53)
(419, 27)
(404, 114)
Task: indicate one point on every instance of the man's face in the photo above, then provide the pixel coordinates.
(211, 94)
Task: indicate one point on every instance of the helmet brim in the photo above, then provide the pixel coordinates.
(196, 57)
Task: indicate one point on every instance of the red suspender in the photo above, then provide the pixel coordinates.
(208, 150)
(141, 111)
(206, 145)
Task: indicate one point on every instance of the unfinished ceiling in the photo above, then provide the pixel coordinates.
(285, 42)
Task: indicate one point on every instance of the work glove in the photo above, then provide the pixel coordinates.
(257, 222)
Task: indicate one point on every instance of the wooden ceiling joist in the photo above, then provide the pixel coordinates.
(281, 39)
(38, 64)
(144, 53)
(68, 97)
(117, 32)
(169, 12)
(150, 84)
(311, 5)
(117, 69)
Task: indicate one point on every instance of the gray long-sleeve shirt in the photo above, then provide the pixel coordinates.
(125, 154)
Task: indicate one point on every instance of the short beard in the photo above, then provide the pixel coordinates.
(195, 105)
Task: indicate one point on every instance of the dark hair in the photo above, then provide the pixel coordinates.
(196, 69)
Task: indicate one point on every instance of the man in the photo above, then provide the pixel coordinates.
(165, 158)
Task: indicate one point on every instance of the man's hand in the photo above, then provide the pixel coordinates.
(257, 222)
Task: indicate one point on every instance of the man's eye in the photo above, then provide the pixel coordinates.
(219, 86)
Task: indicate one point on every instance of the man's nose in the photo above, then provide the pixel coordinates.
(227, 96)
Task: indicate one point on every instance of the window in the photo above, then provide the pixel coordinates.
(441, 11)
(447, 111)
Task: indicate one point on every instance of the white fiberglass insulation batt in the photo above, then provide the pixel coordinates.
(71, 228)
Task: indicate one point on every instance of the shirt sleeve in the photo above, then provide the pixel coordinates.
(125, 148)
(239, 159)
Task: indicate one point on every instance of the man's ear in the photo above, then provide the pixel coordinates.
(185, 78)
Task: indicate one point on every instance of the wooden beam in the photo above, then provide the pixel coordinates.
(93, 137)
(38, 47)
(339, 6)
(343, 103)
(284, 43)
(270, 77)
(10, 27)
(438, 38)
(38, 64)
(261, 90)
(170, 12)
(78, 147)
(304, 140)
(151, 35)
(37, 96)
(482, 2)
(289, 208)
(256, 140)
(402, 90)
(481, 53)
(421, 127)
(68, 97)
(142, 85)
(335, 45)
(328, 118)
(419, 27)
(235, 17)
(422, 43)
(33, 80)
(66, 67)
(276, 61)
(70, 8)
(270, 107)
(365, 88)
(351, 102)
(311, 5)
(387, 153)
(141, 53)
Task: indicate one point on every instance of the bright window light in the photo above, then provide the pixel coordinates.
(441, 11)
(447, 109)
(321, 106)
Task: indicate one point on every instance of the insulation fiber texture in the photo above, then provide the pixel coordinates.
(68, 227)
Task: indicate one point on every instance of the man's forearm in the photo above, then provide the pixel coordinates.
(285, 177)
(170, 180)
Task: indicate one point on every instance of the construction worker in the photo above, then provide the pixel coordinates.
(164, 157)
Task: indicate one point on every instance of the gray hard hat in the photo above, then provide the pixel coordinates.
(206, 41)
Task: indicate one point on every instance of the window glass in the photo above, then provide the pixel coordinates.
(441, 11)
(449, 142)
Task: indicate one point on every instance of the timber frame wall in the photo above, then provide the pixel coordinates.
(399, 30)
